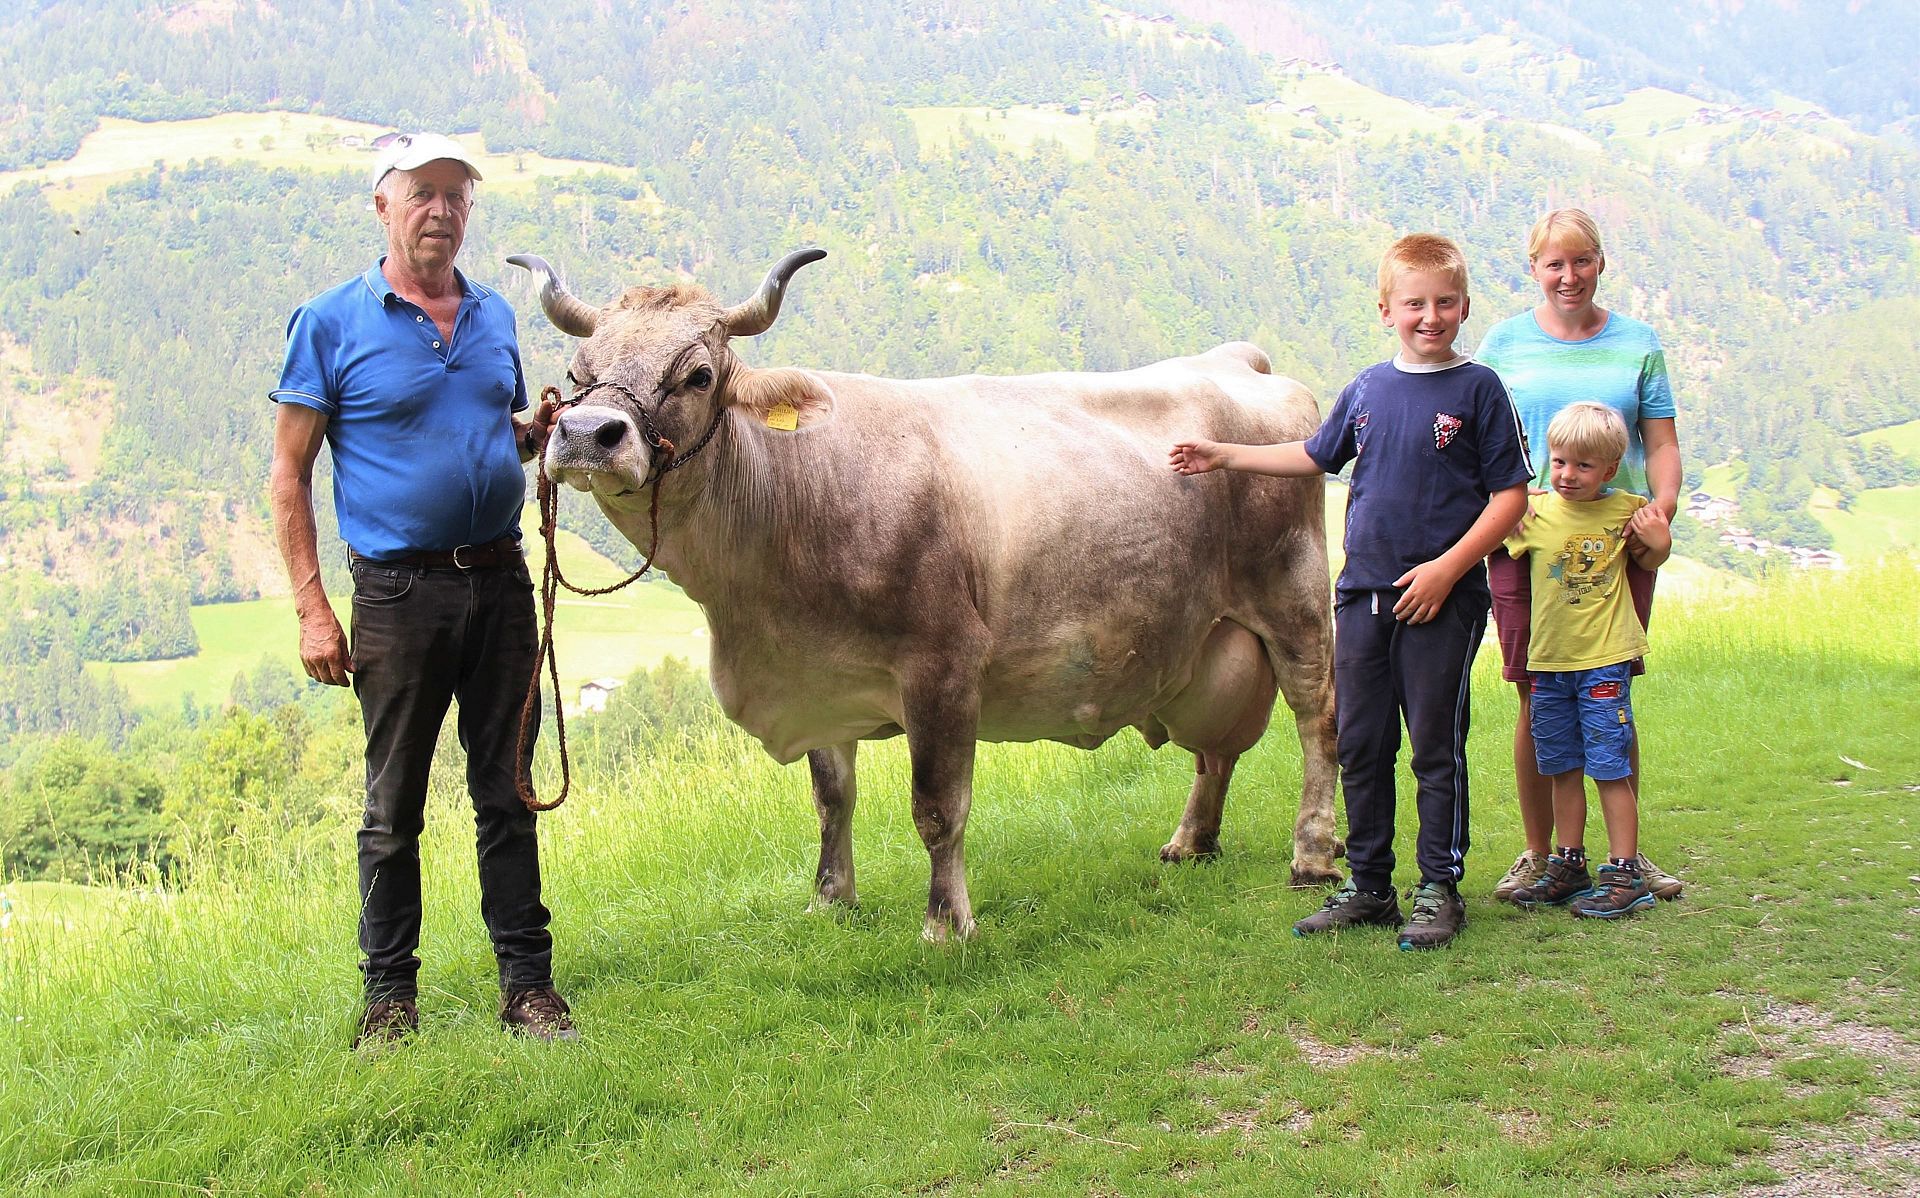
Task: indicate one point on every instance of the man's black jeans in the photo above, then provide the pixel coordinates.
(421, 638)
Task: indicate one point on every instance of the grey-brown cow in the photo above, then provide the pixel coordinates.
(963, 559)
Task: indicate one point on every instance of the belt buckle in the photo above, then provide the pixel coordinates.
(457, 563)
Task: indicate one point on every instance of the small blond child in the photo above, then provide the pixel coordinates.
(1584, 641)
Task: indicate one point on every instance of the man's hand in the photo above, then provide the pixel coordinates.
(531, 434)
(1427, 587)
(323, 648)
(1197, 457)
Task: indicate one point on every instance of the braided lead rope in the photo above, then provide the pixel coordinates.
(551, 580)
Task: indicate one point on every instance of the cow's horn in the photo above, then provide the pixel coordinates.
(756, 315)
(569, 313)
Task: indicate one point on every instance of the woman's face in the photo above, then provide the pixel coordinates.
(1568, 274)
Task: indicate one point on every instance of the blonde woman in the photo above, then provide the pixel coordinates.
(1566, 350)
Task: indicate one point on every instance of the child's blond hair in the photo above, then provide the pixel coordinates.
(1421, 252)
(1571, 227)
(1589, 430)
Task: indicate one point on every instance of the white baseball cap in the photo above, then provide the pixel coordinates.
(409, 151)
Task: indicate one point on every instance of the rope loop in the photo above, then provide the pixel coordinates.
(551, 580)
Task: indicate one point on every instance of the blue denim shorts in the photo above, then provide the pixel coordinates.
(1583, 720)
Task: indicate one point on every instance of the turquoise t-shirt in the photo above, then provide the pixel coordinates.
(1621, 366)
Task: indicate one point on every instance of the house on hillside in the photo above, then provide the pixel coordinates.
(594, 695)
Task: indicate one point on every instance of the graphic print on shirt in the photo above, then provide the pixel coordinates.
(1444, 427)
(1584, 567)
(1360, 431)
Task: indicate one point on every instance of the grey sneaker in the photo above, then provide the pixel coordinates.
(1661, 884)
(1527, 868)
(1350, 907)
(1563, 882)
(1438, 915)
(538, 1012)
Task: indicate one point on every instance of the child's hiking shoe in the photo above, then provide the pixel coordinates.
(1527, 869)
(1660, 883)
(1563, 882)
(1351, 907)
(1621, 891)
(1438, 915)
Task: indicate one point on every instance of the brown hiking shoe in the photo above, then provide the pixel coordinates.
(1438, 915)
(1527, 868)
(385, 1023)
(1350, 907)
(1660, 883)
(538, 1011)
(1563, 882)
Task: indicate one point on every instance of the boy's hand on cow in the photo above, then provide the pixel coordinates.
(323, 648)
(1197, 457)
(1427, 587)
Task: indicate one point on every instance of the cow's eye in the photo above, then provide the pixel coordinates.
(700, 379)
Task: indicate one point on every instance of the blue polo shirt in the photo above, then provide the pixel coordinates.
(1429, 446)
(420, 425)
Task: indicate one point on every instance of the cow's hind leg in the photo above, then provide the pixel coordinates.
(1219, 715)
(1198, 836)
(941, 724)
(1304, 667)
(833, 798)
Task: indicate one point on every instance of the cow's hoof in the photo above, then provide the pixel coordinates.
(1309, 877)
(1175, 851)
(940, 930)
(833, 904)
(1340, 848)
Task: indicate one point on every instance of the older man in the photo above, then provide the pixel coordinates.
(410, 373)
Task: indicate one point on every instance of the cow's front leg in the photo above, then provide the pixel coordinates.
(940, 741)
(833, 798)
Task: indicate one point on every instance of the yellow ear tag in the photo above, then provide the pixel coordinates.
(783, 416)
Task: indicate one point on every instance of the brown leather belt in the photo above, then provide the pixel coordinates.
(504, 552)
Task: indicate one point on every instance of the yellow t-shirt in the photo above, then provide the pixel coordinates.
(1582, 612)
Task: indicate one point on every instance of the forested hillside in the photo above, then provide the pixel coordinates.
(1001, 187)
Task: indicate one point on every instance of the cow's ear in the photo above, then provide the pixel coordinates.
(781, 398)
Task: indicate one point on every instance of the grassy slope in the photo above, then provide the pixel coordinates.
(598, 637)
(1120, 1028)
(121, 149)
(1905, 438)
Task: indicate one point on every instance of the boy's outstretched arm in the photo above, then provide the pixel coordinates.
(1287, 459)
(1649, 537)
(1429, 583)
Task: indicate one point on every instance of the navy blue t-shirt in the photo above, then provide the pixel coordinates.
(1428, 447)
(419, 424)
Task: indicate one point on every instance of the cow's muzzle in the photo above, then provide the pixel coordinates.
(597, 449)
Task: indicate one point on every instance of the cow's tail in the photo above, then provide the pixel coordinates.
(1246, 353)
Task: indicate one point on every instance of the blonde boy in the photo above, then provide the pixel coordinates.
(1439, 476)
(1584, 640)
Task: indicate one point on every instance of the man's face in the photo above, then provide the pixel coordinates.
(425, 211)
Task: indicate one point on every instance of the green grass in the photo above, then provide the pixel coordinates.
(1120, 1027)
(598, 637)
(122, 149)
(1881, 521)
(1904, 438)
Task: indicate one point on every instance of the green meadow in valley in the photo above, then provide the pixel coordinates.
(1120, 1026)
